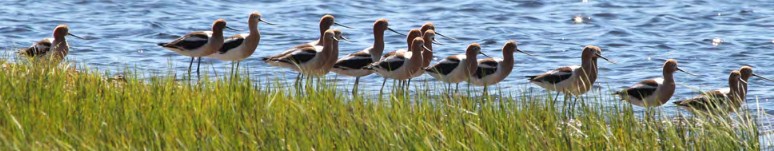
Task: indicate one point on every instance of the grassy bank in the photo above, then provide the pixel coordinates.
(55, 108)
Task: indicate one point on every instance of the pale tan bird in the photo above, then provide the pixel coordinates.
(653, 92)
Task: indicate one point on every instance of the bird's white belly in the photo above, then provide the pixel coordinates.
(235, 54)
(490, 79)
(455, 76)
(352, 72)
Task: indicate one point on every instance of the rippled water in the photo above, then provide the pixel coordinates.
(709, 37)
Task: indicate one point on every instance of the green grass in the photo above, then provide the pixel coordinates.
(60, 109)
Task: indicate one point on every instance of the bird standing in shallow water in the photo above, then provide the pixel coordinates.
(457, 68)
(427, 55)
(241, 46)
(352, 64)
(493, 70)
(200, 43)
(573, 80)
(718, 101)
(414, 33)
(403, 65)
(55, 48)
(325, 23)
(653, 92)
(309, 61)
(699, 103)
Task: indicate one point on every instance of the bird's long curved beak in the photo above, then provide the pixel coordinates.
(439, 34)
(681, 70)
(70, 34)
(345, 38)
(336, 39)
(264, 21)
(742, 80)
(529, 54)
(428, 49)
(482, 53)
(390, 29)
(227, 27)
(756, 75)
(436, 42)
(606, 59)
(337, 24)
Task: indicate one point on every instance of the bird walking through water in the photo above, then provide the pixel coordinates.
(493, 70)
(325, 23)
(241, 46)
(573, 80)
(352, 64)
(654, 92)
(199, 43)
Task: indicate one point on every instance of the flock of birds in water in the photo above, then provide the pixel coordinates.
(319, 57)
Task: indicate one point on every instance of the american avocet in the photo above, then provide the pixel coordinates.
(457, 68)
(333, 55)
(747, 72)
(653, 92)
(493, 70)
(352, 64)
(414, 33)
(199, 44)
(572, 80)
(241, 46)
(325, 23)
(402, 65)
(55, 48)
(430, 26)
(427, 55)
(719, 101)
(308, 61)
(429, 37)
(723, 93)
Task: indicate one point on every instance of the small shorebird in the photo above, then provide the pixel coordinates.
(457, 68)
(309, 61)
(493, 70)
(325, 23)
(402, 65)
(723, 93)
(718, 101)
(747, 72)
(352, 64)
(199, 44)
(331, 59)
(572, 80)
(414, 33)
(56, 48)
(653, 92)
(241, 46)
(427, 56)
(430, 26)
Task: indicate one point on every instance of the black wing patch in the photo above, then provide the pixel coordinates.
(642, 89)
(562, 74)
(639, 92)
(299, 58)
(354, 63)
(189, 43)
(481, 72)
(230, 43)
(392, 65)
(444, 67)
(34, 51)
(490, 63)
